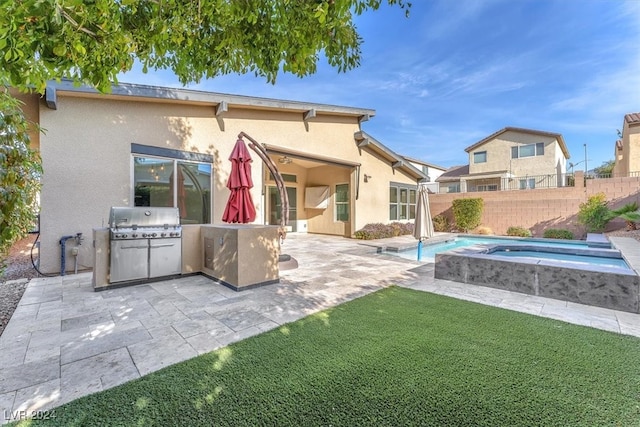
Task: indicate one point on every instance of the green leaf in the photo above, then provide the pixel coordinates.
(60, 50)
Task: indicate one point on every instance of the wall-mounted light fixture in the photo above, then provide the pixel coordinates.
(367, 177)
(284, 160)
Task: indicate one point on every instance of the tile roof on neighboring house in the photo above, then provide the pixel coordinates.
(632, 118)
(453, 173)
(557, 136)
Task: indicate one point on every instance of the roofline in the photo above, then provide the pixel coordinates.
(632, 119)
(431, 165)
(397, 161)
(188, 96)
(557, 136)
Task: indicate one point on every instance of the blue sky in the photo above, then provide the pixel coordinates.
(454, 72)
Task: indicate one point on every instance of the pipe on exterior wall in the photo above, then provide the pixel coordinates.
(63, 254)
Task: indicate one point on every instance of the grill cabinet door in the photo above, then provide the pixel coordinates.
(129, 260)
(165, 257)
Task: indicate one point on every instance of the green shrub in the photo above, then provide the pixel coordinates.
(467, 213)
(629, 212)
(383, 231)
(558, 233)
(519, 232)
(594, 214)
(441, 223)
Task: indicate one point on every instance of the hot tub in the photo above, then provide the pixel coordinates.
(591, 276)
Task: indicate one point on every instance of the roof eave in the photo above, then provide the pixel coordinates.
(366, 141)
(188, 96)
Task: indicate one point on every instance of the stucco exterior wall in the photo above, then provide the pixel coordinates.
(373, 199)
(628, 159)
(632, 136)
(499, 155)
(88, 164)
(31, 110)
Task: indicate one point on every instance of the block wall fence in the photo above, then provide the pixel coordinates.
(543, 208)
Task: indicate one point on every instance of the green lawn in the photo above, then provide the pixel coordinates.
(395, 357)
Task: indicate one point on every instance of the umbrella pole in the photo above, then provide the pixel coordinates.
(419, 249)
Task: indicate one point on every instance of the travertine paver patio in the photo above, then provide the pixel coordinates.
(66, 341)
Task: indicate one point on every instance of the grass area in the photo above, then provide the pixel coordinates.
(395, 357)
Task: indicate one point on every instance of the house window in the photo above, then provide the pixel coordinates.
(528, 150)
(480, 157)
(527, 183)
(402, 202)
(425, 170)
(487, 187)
(160, 182)
(342, 202)
(451, 188)
(286, 177)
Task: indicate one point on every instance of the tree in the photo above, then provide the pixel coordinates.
(19, 173)
(606, 168)
(629, 213)
(594, 213)
(92, 41)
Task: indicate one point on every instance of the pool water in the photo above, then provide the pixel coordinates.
(582, 259)
(429, 251)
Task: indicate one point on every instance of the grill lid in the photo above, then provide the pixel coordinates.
(144, 216)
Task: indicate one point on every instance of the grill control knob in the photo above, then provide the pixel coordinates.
(144, 234)
(163, 234)
(124, 236)
(134, 235)
(154, 235)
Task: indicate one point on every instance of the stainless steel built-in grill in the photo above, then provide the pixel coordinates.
(146, 242)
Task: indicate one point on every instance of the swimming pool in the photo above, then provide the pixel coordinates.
(429, 251)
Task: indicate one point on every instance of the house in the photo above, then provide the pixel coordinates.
(512, 158)
(431, 171)
(627, 148)
(122, 149)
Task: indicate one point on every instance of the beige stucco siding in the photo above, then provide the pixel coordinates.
(88, 165)
(632, 134)
(499, 155)
(31, 109)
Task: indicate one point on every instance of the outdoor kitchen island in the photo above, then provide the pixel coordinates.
(239, 256)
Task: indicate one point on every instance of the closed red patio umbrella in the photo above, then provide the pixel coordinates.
(240, 207)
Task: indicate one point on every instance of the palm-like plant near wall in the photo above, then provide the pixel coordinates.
(629, 213)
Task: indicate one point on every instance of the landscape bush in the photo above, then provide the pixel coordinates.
(483, 230)
(441, 223)
(383, 231)
(518, 232)
(467, 213)
(594, 214)
(558, 233)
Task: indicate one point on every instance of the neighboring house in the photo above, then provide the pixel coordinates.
(431, 171)
(123, 149)
(512, 158)
(627, 149)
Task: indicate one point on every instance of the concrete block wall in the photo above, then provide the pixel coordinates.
(543, 208)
